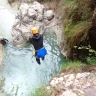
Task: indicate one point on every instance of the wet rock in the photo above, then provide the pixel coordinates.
(1, 54)
(29, 16)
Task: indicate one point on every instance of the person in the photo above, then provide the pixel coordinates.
(3, 41)
(37, 41)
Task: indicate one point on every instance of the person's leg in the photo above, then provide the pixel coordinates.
(43, 58)
(38, 61)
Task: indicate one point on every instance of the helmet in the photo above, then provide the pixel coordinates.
(34, 30)
(1, 37)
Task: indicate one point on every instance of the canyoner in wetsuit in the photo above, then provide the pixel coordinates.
(3, 41)
(37, 41)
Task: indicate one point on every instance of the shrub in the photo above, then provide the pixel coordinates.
(41, 92)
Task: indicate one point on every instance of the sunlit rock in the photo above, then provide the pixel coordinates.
(60, 79)
(32, 13)
(69, 93)
(71, 77)
(48, 88)
(83, 75)
(53, 83)
(49, 14)
(75, 84)
(27, 17)
(23, 9)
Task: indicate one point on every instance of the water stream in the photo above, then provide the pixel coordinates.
(20, 72)
(7, 16)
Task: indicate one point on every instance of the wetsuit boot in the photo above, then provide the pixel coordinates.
(43, 58)
(38, 61)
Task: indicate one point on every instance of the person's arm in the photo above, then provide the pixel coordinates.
(5, 40)
(0, 41)
(30, 40)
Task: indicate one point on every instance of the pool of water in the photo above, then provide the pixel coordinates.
(21, 72)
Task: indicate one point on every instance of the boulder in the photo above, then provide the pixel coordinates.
(29, 16)
(49, 14)
(80, 84)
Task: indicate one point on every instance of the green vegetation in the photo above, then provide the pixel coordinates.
(41, 92)
(74, 65)
(91, 60)
(77, 22)
(76, 33)
(78, 66)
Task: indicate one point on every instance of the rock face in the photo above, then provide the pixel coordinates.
(10, 1)
(92, 31)
(26, 1)
(1, 54)
(80, 84)
(29, 16)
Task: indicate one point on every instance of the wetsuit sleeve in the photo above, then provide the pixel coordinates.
(3, 42)
(6, 40)
(30, 40)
